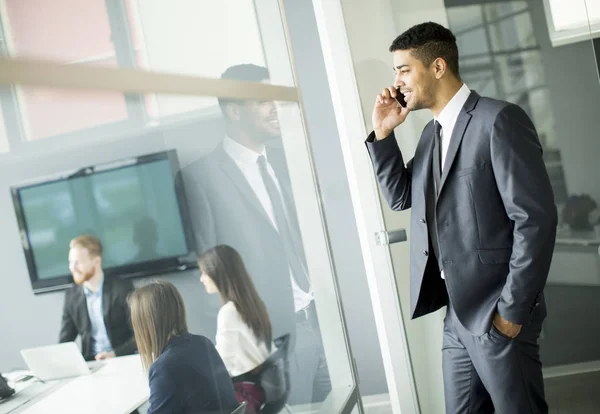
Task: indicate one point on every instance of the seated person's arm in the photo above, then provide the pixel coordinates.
(227, 340)
(163, 398)
(68, 330)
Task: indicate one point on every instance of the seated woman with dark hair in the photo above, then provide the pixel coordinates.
(185, 372)
(243, 327)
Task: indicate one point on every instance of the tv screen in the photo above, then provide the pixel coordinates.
(131, 205)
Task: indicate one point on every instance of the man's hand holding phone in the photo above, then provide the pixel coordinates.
(389, 112)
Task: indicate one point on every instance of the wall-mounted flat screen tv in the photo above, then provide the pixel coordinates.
(132, 205)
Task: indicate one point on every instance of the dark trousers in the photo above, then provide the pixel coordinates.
(492, 372)
(309, 375)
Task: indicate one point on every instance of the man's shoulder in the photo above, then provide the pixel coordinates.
(73, 292)
(491, 106)
(208, 161)
(115, 282)
(206, 168)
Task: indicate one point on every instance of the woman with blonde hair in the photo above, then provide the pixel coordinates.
(244, 337)
(185, 372)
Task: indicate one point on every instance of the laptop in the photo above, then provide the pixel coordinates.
(53, 362)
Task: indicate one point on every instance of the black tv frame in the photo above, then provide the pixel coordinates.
(143, 269)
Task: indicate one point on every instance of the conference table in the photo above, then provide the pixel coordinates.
(118, 386)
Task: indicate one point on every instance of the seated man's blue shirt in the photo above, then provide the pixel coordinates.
(100, 339)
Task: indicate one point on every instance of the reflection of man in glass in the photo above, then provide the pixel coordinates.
(240, 195)
(145, 237)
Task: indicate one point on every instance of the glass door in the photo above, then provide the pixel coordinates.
(213, 87)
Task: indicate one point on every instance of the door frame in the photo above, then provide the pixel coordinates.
(368, 210)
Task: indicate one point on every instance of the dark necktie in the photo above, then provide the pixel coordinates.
(283, 226)
(436, 168)
(437, 156)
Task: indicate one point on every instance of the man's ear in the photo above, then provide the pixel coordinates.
(440, 67)
(232, 111)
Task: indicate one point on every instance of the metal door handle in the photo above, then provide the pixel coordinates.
(388, 237)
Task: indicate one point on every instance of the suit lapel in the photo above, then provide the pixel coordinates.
(236, 176)
(106, 298)
(81, 308)
(464, 117)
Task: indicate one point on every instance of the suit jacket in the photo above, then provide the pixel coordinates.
(190, 377)
(494, 213)
(76, 320)
(225, 210)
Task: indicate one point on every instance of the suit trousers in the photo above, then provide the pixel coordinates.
(492, 372)
(309, 375)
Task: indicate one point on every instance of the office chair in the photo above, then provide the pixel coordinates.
(273, 376)
(241, 408)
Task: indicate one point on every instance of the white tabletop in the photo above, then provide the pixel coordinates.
(120, 386)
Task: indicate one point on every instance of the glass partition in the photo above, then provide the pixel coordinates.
(182, 37)
(267, 213)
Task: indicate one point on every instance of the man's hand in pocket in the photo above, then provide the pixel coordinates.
(505, 327)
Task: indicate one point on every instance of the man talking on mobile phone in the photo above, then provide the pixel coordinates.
(483, 223)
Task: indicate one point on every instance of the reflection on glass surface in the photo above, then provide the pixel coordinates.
(502, 10)
(474, 42)
(510, 33)
(465, 18)
(49, 112)
(65, 32)
(240, 195)
(181, 36)
(133, 210)
(4, 146)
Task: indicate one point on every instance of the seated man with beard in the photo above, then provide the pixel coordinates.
(96, 307)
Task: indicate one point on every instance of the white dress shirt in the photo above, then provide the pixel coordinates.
(237, 345)
(247, 162)
(447, 119)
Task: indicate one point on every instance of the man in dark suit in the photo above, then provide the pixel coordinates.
(240, 195)
(96, 306)
(483, 223)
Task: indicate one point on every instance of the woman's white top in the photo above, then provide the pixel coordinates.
(238, 347)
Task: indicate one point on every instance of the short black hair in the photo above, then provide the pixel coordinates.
(427, 42)
(244, 72)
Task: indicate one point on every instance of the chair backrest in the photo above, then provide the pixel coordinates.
(241, 408)
(274, 377)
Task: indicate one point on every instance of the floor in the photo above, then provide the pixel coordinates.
(572, 394)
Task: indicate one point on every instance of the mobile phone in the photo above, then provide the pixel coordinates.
(400, 98)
